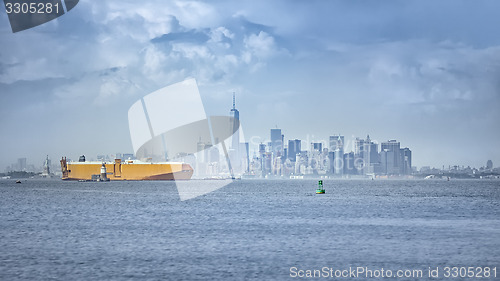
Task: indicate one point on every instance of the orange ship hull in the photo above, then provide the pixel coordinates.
(129, 170)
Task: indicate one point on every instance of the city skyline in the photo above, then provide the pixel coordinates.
(390, 69)
(373, 161)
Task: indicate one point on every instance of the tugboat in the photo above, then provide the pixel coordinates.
(320, 189)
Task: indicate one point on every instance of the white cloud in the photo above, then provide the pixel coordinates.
(154, 63)
(261, 45)
(192, 51)
(413, 72)
(194, 14)
(115, 88)
(220, 33)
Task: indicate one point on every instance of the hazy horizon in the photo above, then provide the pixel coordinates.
(425, 73)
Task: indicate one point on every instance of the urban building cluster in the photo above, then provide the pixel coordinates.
(290, 158)
(21, 165)
(457, 171)
(295, 158)
(330, 158)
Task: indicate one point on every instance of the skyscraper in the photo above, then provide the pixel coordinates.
(245, 155)
(262, 148)
(317, 146)
(238, 150)
(374, 159)
(336, 142)
(405, 160)
(21, 164)
(390, 157)
(293, 149)
(369, 154)
(337, 146)
(276, 142)
(349, 166)
(234, 125)
(359, 147)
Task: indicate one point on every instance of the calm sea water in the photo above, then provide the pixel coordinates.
(248, 230)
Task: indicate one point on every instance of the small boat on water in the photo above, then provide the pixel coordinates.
(320, 189)
(18, 181)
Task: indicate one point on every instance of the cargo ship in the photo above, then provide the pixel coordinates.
(124, 170)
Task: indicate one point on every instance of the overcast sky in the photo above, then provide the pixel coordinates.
(426, 73)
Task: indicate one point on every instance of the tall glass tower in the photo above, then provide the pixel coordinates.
(276, 142)
(234, 126)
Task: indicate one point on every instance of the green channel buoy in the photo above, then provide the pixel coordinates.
(320, 189)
